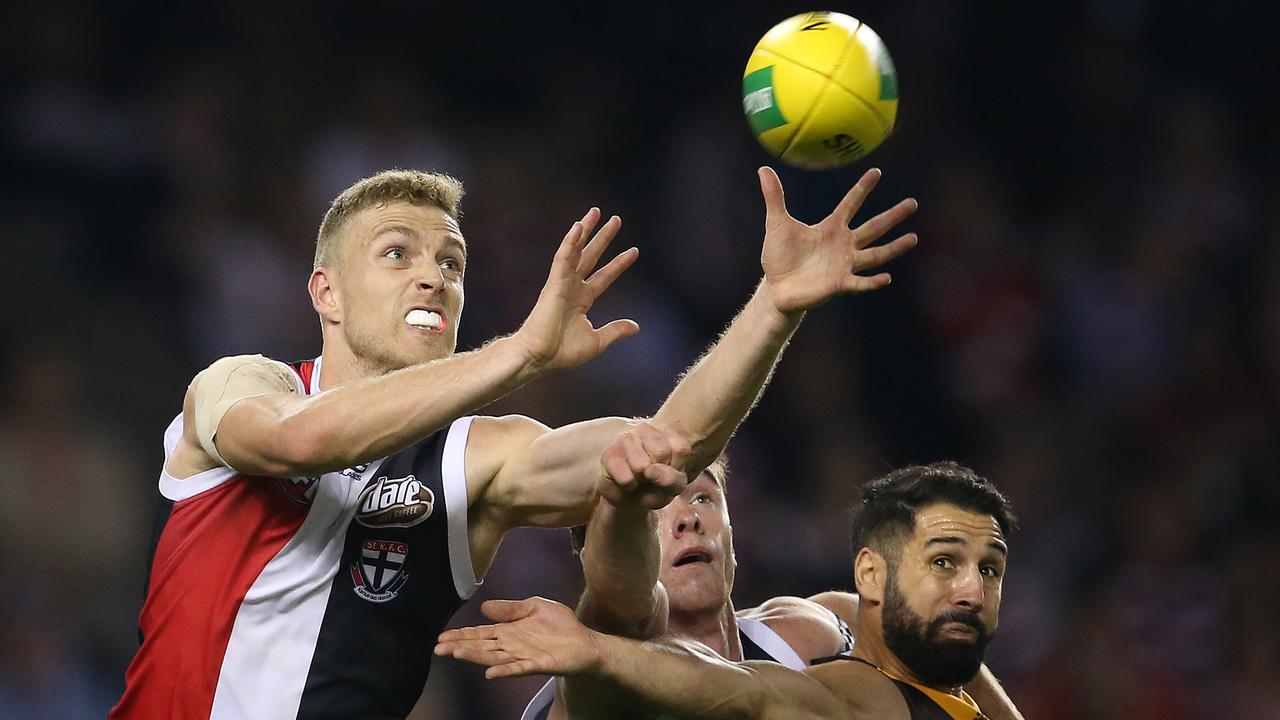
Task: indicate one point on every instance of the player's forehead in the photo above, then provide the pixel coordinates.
(705, 482)
(944, 524)
(412, 221)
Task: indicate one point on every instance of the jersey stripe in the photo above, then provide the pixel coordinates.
(269, 652)
(454, 477)
(771, 642)
(213, 547)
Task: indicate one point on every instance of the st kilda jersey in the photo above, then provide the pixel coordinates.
(308, 598)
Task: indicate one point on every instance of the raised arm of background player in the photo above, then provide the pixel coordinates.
(678, 678)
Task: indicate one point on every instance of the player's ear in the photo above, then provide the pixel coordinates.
(324, 297)
(870, 575)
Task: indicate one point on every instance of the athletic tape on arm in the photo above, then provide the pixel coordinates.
(227, 382)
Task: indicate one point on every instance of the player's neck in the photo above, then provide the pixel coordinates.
(717, 629)
(339, 365)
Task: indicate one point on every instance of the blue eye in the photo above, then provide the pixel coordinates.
(395, 254)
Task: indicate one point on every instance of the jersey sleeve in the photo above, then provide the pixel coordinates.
(230, 380)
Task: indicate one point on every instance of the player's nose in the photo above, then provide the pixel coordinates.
(429, 277)
(968, 590)
(688, 521)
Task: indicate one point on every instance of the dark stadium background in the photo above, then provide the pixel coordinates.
(1092, 317)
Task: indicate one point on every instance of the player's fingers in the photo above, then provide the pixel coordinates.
(463, 634)
(680, 449)
(615, 331)
(666, 477)
(875, 228)
(860, 284)
(588, 225)
(654, 442)
(775, 202)
(633, 449)
(506, 611)
(881, 254)
(565, 254)
(616, 467)
(601, 279)
(481, 657)
(857, 194)
(518, 668)
(596, 247)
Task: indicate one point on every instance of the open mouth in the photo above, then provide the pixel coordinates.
(692, 556)
(427, 319)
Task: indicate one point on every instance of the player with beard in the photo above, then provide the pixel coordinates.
(931, 551)
(320, 521)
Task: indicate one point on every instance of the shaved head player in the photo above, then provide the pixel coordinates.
(320, 521)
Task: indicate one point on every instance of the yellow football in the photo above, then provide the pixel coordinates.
(820, 90)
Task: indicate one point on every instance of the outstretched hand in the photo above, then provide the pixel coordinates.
(644, 467)
(533, 636)
(557, 334)
(806, 265)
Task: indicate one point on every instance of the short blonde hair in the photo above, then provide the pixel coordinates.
(407, 186)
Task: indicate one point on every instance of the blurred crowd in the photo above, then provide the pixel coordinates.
(1092, 318)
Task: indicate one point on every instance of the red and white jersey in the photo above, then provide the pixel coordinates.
(312, 597)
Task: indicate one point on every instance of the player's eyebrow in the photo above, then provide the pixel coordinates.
(451, 239)
(402, 229)
(459, 243)
(996, 545)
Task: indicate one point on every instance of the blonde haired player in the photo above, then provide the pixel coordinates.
(320, 521)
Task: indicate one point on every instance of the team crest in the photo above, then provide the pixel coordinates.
(300, 490)
(379, 573)
(399, 502)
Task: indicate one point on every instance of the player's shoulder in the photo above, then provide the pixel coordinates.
(861, 688)
(260, 365)
(785, 608)
(505, 425)
(811, 629)
(491, 433)
(492, 440)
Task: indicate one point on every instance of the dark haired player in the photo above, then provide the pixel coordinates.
(931, 550)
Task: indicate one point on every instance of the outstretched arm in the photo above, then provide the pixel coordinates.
(670, 676)
(804, 266)
(266, 430)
